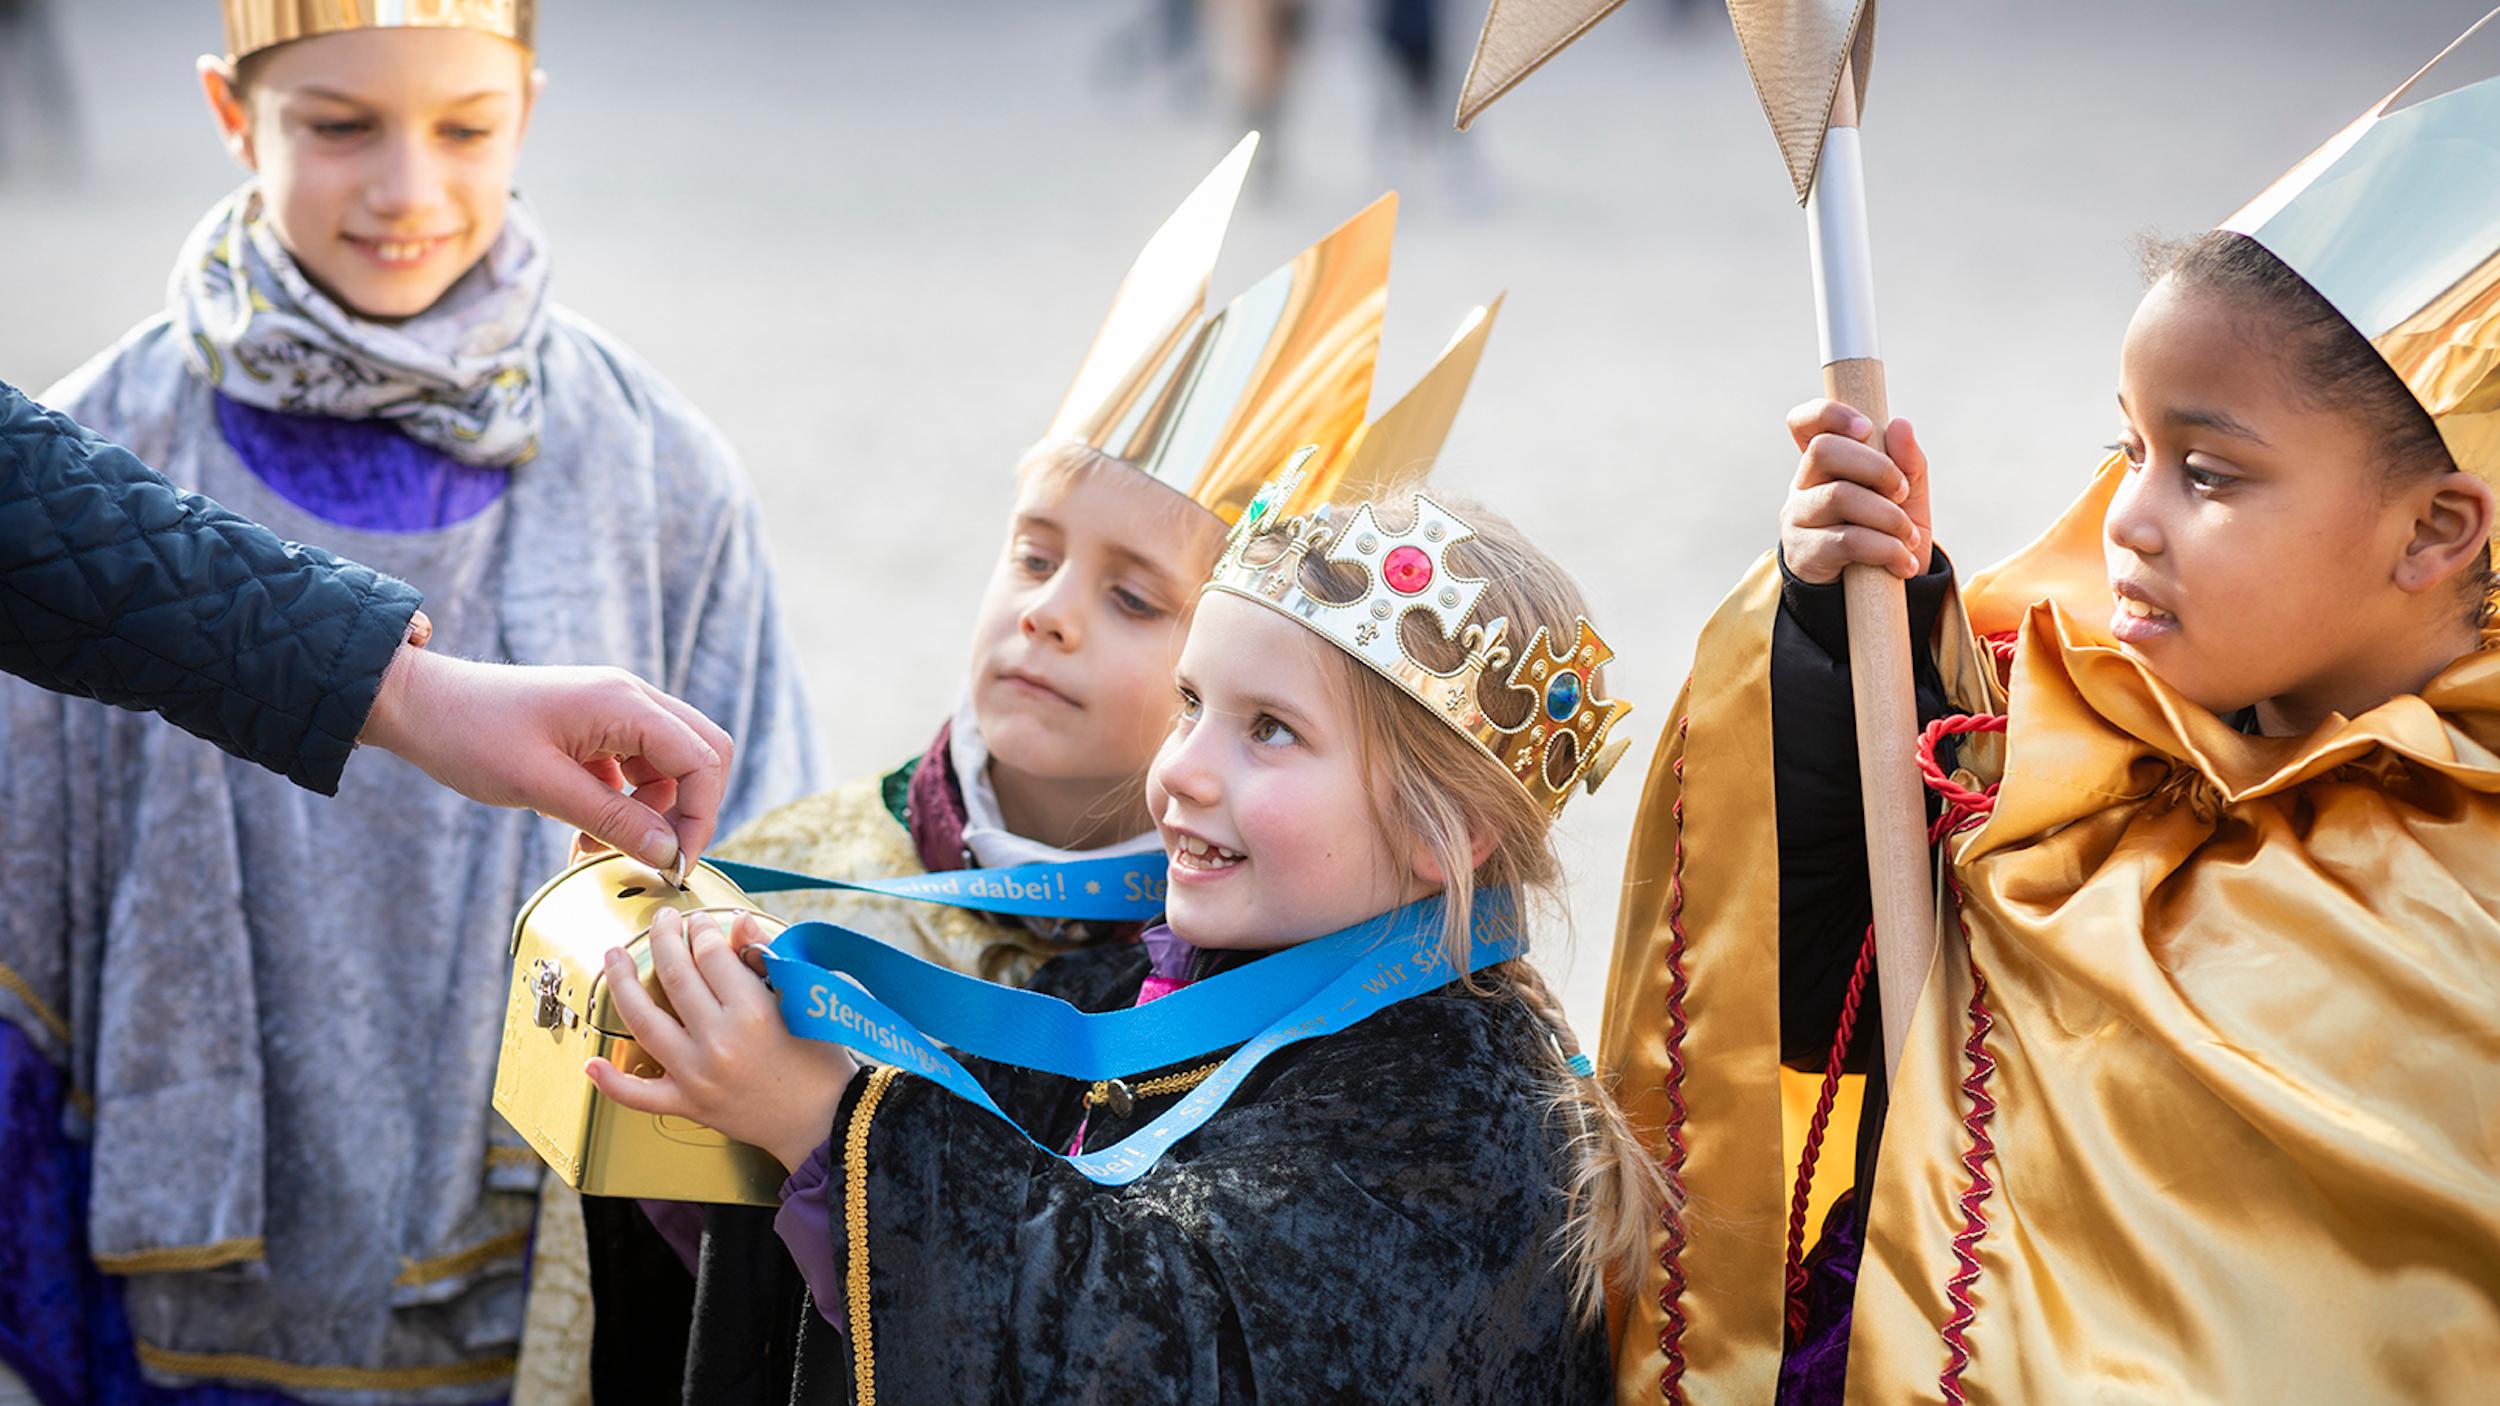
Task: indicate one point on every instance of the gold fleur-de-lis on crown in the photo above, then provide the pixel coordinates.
(1485, 645)
(1303, 536)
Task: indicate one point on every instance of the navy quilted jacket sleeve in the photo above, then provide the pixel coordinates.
(118, 586)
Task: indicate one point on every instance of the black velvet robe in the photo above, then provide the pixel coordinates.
(1371, 1218)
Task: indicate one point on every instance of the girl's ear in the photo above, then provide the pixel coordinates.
(1427, 865)
(234, 124)
(2452, 522)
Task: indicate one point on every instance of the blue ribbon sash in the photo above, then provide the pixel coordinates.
(1124, 888)
(847, 988)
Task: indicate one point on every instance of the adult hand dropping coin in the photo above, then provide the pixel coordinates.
(566, 742)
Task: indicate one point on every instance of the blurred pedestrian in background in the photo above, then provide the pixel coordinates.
(39, 126)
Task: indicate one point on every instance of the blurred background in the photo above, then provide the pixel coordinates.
(872, 242)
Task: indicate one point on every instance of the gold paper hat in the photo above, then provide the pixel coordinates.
(2396, 222)
(254, 25)
(1562, 742)
(1208, 406)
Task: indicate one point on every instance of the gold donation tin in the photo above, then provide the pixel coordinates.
(561, 1013)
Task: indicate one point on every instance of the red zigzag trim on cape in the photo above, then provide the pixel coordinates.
(1964, 808)
(1671, 1253)
(1983, 1108)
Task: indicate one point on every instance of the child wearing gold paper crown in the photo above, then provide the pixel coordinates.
(274, 1017)
(1379, 714)
(2197, 1104)
(1118, 514)
(1069, 690)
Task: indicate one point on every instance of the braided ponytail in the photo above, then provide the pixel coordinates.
(1613, 1183)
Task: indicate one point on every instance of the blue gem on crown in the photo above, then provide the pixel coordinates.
(1562, 696)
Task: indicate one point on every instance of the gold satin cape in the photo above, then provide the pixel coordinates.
(2242, 999)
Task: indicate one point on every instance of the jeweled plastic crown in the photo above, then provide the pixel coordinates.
(1563, 740)
(254, 25)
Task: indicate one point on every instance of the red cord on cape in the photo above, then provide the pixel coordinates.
(1963, 808)
(2000, 647)
(1802, 1193)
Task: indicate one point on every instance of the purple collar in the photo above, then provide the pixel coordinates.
(362, 474)
(1168, 954)
(1172, 963)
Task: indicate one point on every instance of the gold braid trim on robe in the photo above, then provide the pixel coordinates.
(554, 1366)
(2243, 1037)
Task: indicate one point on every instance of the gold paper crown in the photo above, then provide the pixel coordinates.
(254, 25)
(1563, 741)
(1208, 405)
(2396, 222)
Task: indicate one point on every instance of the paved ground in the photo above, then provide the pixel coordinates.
(873, 242)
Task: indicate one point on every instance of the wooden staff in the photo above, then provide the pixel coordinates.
(1880, 679)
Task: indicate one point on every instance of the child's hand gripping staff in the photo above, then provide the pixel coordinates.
(777, 1081)
(1858, 512)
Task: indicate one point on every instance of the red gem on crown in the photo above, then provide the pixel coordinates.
(1407, 570)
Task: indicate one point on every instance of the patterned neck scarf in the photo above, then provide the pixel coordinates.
(935, 813)
(985, 833)
(461, 377)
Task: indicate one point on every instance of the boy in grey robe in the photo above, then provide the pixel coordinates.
(272, 1018)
